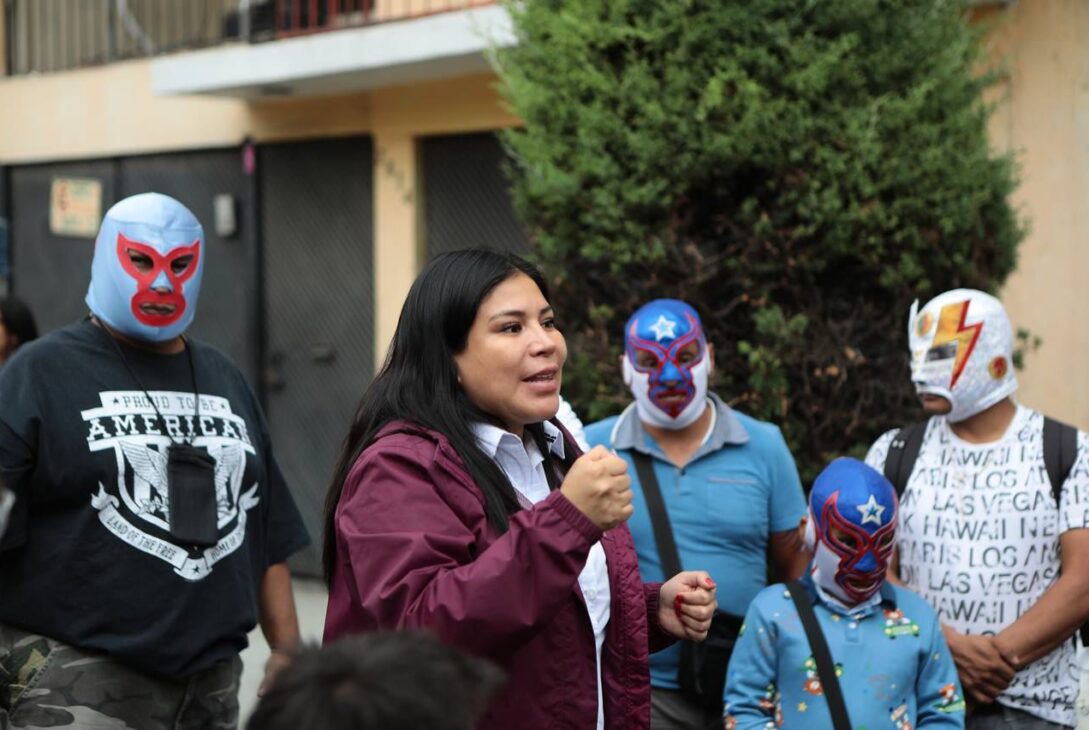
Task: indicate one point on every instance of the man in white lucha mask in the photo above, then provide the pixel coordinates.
(994, 508)
(727, 484)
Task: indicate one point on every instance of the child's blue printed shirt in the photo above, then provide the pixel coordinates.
(894, 668)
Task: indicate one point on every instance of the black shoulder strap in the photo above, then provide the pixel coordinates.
(1060, 452)
(903, 451)
(826, 670)
(659, 518)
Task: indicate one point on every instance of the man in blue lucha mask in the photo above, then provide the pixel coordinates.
(151, 523)
(728, 486)
(147, 270)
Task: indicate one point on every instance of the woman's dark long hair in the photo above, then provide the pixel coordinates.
(419, 381)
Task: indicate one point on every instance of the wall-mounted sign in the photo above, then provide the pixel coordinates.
(75, 207)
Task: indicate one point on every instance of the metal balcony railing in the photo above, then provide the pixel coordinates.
(57, 35)
(294, 17)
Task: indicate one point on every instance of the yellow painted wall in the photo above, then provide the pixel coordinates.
(107, 111)
(1043, 117)
(110, 111)
(396, 9)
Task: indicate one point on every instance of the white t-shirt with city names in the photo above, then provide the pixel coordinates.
(979, 540)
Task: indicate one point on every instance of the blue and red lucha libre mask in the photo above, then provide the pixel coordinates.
(666, 363)
(851, 529)
(147, 268)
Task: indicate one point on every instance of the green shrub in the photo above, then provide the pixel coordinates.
(798, 171)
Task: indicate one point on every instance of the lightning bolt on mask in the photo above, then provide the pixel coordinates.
(851, 529)
(666, 363)
(147, 268)
(962, 350)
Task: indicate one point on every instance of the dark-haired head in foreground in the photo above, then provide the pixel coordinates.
(391, 681)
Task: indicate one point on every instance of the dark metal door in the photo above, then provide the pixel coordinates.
(228, 311)
(466, 195)
(49, 272)
(317, 222)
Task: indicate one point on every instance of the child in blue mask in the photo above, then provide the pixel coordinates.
(888, 653)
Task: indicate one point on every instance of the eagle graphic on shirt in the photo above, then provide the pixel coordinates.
(150, 490)
(134, 505)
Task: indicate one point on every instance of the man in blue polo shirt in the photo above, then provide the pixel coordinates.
(728, 482)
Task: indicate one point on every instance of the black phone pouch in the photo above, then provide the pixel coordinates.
(191, 483)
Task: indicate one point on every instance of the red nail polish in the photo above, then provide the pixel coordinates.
(710, 583)
(677, 603)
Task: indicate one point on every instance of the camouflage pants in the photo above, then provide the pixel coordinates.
(47, 684)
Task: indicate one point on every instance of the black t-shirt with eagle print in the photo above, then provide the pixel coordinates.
(88, 558)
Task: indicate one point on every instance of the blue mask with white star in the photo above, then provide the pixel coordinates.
(666, 364)
(852, 529)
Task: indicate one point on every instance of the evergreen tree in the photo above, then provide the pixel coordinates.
(798, 171)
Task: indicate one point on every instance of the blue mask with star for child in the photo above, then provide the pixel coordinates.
(851, 529)
(147, 268)
(666, 363)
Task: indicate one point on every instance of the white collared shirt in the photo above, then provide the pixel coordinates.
(524, 466)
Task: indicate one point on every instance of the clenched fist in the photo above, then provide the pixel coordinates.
(599, 485)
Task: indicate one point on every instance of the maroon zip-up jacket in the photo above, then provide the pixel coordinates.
(414, 550)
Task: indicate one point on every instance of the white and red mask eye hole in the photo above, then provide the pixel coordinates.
(863, 557)
(670, 383)
(159, 300)
(665, 357)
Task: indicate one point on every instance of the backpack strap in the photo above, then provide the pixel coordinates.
(826, 670)
(1060, 452)
(903, 451)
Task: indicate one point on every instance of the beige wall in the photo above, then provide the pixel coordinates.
(394, 9)
(109, 111)
(1043, 117)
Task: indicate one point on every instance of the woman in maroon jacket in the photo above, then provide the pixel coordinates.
(459, 505)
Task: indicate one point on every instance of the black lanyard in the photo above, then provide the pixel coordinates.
(192, 374)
